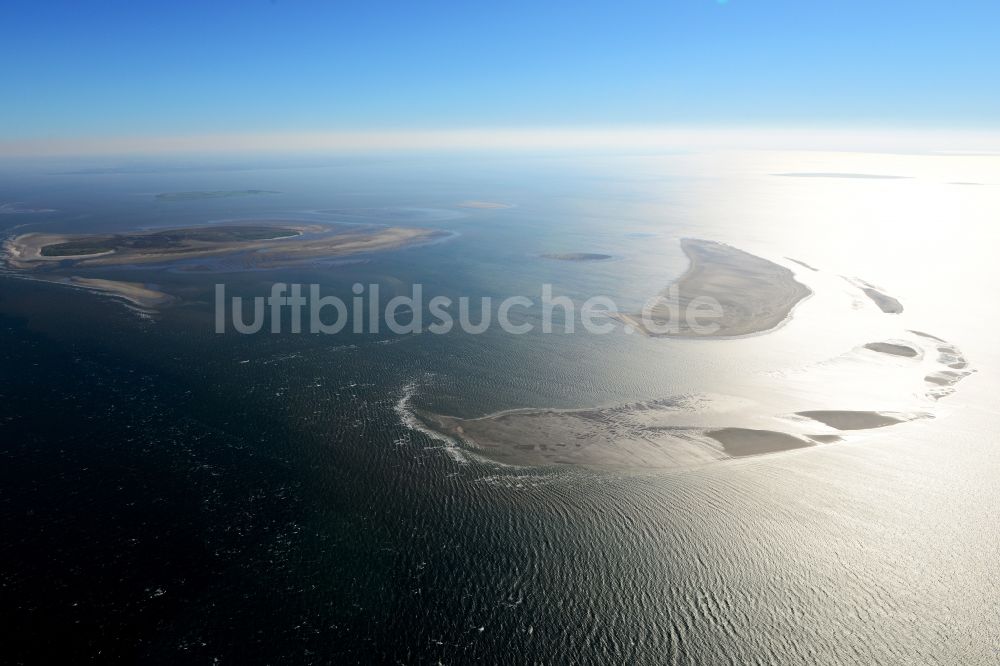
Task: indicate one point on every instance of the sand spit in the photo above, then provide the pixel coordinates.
(143, 297)
(755, 295)
(893, 349)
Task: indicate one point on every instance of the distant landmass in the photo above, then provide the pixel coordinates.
(485, 205)
(577, 256)
(17, 208)
(809, 174)
(218, 194)
(266, 244)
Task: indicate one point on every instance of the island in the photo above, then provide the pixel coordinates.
(261, 244)
(218, 194)
(271, 244)
(752, 295)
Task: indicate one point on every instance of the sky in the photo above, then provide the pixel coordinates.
(115, 69)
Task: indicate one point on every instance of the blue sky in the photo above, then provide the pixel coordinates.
(142, 68)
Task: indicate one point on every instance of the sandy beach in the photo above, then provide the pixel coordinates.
(288, 242)
(754, 294)
(865, 389)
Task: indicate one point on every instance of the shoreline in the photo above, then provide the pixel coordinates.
(756, 295)
(25, 251)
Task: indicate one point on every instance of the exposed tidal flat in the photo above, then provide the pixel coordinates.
(748, 294)
(176, 496)
(752, 295)
(270, 244)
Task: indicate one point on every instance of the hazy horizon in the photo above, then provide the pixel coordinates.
(591, 332)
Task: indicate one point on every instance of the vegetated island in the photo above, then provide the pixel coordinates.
(218, 194)
(576, 256)
(754, 294)
(271, 244)
(264, 244)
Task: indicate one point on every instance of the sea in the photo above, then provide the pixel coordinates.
(169, 494)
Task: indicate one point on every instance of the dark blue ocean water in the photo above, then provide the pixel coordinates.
(170, 495)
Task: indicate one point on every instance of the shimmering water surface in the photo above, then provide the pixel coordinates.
(169, 494)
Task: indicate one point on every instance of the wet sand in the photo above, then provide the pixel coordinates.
(885, 302)
(694, 429)
(753, 294)
(854, 420)
(138, 294)
(598, 438)
(892, 349)
(747, 442)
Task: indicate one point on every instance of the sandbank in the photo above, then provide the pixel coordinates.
(755, 295)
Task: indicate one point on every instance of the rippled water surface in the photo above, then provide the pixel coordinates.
(173, 495)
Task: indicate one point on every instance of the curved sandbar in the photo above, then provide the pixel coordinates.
(138, 294)
(692, 429)
(753, 295)
(596, 438)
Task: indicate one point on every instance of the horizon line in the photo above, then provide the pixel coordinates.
(652, 138)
